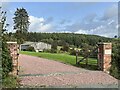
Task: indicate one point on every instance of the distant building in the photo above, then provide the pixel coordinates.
(38, 46)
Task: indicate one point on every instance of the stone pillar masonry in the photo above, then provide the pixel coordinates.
(14, 47)
(104, 56)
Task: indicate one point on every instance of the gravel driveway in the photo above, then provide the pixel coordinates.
(39, 72)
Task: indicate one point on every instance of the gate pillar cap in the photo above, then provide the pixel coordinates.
(103, 43)
(12, 42)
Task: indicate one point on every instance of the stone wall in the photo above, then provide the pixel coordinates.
(13, 47)
(104, 56)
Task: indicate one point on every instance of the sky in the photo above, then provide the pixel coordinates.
(96, 18)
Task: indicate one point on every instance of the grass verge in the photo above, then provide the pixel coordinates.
(10, 82)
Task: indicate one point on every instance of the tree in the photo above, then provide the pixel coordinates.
(21, 24)
(6, 58)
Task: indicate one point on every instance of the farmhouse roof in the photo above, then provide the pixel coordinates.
(28, 43)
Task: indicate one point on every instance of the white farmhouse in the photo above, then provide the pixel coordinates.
(38, 46)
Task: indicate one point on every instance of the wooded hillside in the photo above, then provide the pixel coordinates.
(70, 38)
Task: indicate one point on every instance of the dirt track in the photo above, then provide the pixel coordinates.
(39, 72)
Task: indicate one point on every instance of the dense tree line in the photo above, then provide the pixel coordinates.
(78, 40)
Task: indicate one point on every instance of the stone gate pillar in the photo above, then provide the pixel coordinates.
(13, 47)
(104, 56)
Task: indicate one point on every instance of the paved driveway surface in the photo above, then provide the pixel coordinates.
(39, 72)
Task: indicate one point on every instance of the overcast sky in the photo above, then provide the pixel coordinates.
(99, 18)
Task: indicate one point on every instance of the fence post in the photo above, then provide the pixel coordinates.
(86, 61)
(76, 56)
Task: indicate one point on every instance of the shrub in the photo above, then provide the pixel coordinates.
(6, 60)
(47, 50)
(54, 47)
(53, 51)
(65, 48)
(30, 48)
(73, 52)
(115, 68)
(84, 52)
(60, 51)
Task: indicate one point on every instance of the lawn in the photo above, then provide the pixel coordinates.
(61, 57)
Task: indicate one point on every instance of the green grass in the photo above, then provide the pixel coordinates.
(65, 58)
(10, 82)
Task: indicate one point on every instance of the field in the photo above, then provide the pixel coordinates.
(64, 58)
